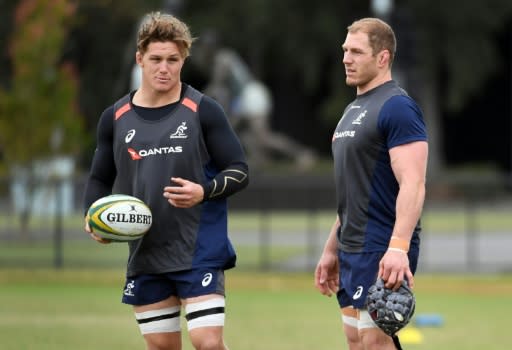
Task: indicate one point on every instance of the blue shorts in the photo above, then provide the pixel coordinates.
(152, 288)
(358, 271)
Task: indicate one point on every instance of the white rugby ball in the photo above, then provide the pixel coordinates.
(119, 217)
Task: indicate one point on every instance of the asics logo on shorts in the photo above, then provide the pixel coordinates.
(207, 279)
(358, 293)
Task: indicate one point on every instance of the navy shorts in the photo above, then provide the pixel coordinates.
(358, 271)
(152, 288)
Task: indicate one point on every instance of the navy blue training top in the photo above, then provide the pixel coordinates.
(366, 188)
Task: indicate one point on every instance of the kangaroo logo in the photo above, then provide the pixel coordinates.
(129, 288)
(180, 132)
(359, 119)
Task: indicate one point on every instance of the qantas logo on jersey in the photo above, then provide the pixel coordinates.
(342, 134)
(134, 154)
(138, 155)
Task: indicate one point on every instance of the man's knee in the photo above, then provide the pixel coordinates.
(375, 339)
(207, 338)
(205, 322)
(352, 336)
(163, 341)
(362, 333)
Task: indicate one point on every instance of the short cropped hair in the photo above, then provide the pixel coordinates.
(380, 35)
(160, 27)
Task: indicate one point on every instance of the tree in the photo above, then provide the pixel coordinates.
(39, 117)
(456, 53)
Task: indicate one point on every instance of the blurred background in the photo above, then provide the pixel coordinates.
(63, 62)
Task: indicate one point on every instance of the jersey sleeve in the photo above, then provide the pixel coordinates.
(401, 121)
(225, 151)
(103, 171)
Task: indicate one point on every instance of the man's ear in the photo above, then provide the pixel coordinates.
(138, 58)
(383, 58)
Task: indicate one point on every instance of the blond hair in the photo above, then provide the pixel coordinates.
(380, 35)
(161, 27)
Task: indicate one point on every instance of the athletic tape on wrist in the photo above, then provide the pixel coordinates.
(397, 250)
(397, 243)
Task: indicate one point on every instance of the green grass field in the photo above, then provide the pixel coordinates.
(80, 309)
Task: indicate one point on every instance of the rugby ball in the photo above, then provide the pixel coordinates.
(119, 217)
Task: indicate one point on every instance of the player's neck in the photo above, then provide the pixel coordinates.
(372, 84)
(147, 97)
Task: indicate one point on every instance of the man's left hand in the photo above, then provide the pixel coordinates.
(185, 194)
(394, 267)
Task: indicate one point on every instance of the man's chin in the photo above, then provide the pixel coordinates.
(350, 82)
(162, 88)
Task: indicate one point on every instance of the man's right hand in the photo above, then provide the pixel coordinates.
(94, 236)
(327, 278)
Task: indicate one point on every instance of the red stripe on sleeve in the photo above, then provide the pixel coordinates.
(125, 108)
(190, 104)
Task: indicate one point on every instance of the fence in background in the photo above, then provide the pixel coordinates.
(276, 223)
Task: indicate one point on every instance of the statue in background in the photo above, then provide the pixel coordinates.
(248, 103)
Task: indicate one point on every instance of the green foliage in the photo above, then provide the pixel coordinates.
(38, 112)
(458, 38)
